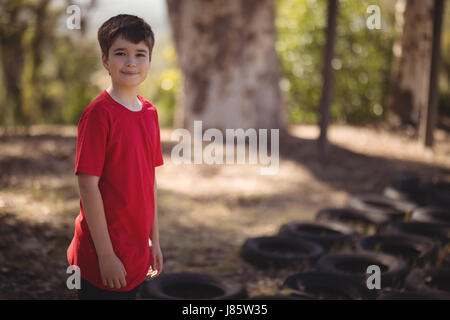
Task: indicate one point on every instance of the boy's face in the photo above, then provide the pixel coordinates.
(128, 63)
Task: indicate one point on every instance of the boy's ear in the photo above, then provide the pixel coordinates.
(105, 61)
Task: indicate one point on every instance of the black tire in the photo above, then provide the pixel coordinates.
(279, 252)
(192, 286)
(396, 210)
(407, 181)
(431, 280)
(326, 286)
(328, 234)
(431, 214)
(354, 265)
(410, 295)
(361, 221)
(416, 196)
(405, 188)
(436, 232)
(415, 250)
(438, 193)
(445, 263)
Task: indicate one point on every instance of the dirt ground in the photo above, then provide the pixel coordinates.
(206, 212)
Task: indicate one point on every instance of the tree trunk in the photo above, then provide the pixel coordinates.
(429, 114)
(412, 61)
(327, 75)
(226, 52)
(33, 88)
(12, 59)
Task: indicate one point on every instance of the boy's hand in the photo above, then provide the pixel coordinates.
(157, 261)
(112, 271)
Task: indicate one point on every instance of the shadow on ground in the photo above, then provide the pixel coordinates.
(350, 171)
(33, 259)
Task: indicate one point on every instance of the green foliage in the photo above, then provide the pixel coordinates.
(64, 84)
(300, 40)
(55, 76)
(74, 85)
(162, 85)
(165, 96)
(361, 64)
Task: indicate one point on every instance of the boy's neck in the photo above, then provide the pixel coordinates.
(125, 96)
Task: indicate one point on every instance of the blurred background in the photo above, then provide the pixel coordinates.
(357, 108)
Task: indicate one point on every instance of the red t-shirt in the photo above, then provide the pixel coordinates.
(122, 147)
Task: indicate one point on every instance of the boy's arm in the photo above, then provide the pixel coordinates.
(95, 214)
(111, 268)
(154, 237)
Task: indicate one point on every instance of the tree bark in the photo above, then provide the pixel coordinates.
(12, 59)
(429, 114)
(226, 52)
(327, 75)
(412, 61)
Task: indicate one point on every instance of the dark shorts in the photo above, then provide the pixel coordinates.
(91, 292)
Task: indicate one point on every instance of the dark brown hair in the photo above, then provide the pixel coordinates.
(130, 27)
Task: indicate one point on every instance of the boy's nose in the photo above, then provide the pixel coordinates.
(130, 62)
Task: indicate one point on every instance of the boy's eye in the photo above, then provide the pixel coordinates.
(123, 53)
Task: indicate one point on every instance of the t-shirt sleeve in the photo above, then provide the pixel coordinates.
(157, 156)
(92, 140)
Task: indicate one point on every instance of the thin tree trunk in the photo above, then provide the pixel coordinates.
(327, 74)
(12, 59)
(428, 119)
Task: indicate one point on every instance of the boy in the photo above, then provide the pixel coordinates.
(118, 148)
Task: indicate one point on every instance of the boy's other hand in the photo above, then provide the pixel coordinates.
(157, 261)
(112, 271)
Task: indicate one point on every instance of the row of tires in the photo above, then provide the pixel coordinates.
(312, 285)
(423, 284)
(335, 258)
(408, 242)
